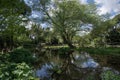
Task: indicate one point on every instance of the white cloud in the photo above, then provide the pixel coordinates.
(83, 1)
(108, 6)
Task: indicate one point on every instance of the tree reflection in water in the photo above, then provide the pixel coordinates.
(70, 65)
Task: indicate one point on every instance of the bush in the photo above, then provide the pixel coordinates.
(13, 71)
(4, 57)
(13, 66)
(22, 55)
(109, 75)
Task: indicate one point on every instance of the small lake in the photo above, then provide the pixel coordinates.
(73, 65)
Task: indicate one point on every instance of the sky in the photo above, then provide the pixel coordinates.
(105, 6)
(111, 7)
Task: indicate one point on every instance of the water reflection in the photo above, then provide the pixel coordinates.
(84, 60)
(73, 66)
(44, 71)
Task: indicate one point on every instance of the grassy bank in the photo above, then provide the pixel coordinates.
(102, 51)
(91, 50)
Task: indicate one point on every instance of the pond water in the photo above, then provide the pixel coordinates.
(72, 65)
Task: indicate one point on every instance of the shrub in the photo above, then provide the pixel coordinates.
(22, 55)
(4, 57)
(16, 71)
(109, 75)
(12, 67)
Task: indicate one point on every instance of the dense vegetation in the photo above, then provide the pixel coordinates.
(22, 39)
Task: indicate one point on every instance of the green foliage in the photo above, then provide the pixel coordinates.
(38, 32)
(16, 6)
(117, 18)
(4, 58)
(106, 29)
(21, 55)
(12, 19)
(13, 71)
(84, 41)
(109, 75)
(68, 17)
(113, 37)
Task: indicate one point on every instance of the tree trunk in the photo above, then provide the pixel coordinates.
(68, 42)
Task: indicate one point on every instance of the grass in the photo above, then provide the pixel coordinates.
(56, 46)
(102, 51)
(90, 50)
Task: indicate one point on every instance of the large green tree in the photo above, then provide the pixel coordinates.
(113, 36)
(12, 16)
(107, 28)
(66, 17)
